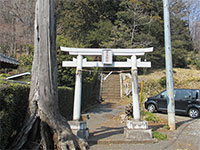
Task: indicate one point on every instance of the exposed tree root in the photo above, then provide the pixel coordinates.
(48, 135)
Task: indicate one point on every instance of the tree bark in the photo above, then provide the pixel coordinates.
(45, 128)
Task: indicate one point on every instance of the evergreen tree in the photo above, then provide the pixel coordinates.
(126, 24)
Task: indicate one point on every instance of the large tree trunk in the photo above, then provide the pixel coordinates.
(45, 128)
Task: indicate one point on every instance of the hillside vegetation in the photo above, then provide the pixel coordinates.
(155, 82)
(101, 24)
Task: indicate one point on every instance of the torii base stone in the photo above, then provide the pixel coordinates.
(79, 128)
(137, 130)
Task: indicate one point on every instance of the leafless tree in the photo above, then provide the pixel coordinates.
(16, 23)
(194, 21)
(189, 10)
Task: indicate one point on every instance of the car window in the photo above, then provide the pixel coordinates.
(163, 95)
(183, 94)
(195, 94)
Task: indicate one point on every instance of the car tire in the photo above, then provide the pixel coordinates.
(151, 108)
(193, 112)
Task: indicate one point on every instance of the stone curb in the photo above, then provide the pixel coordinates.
(124, 141)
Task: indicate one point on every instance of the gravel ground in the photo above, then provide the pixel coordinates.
(105, 124)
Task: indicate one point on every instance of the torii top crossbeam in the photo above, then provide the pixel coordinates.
(106, 57)
(98, 51)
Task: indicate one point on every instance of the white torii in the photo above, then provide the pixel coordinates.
(107, 55)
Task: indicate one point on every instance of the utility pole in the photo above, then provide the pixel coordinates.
(169, 68)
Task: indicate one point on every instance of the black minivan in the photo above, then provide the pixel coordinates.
(187, 101)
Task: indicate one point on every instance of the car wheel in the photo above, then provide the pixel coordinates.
(193, 112)
(151, 108)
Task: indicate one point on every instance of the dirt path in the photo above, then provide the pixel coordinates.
(106, 131)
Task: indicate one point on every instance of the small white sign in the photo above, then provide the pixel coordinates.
(107, 57)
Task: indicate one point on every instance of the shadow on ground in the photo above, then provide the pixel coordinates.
(179, 122)
(101, 108)
(104, 133)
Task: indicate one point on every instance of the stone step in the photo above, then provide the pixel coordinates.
(111, 83)
(111, 87)
(110, 90)
(111, 97)
(111, 94)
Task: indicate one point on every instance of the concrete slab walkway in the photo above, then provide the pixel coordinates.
(106, 131)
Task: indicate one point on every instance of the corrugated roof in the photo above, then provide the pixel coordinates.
(7, 59)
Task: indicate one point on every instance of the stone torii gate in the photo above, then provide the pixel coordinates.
(107, 61)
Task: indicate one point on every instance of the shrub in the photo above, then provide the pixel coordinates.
(198, 65)
(3, 76)
(90, 92)
(166, 127)
(151, 87)
(159, 136)
(162, 82)
(14, 104)
(65, 101)
(151, 117)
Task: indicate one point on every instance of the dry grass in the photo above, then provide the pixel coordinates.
(183, 78)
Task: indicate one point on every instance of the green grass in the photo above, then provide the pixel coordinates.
(166, 127)
(151, 117)
(159, 136)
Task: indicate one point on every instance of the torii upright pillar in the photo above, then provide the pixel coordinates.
(78, 91)
(135, 97)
